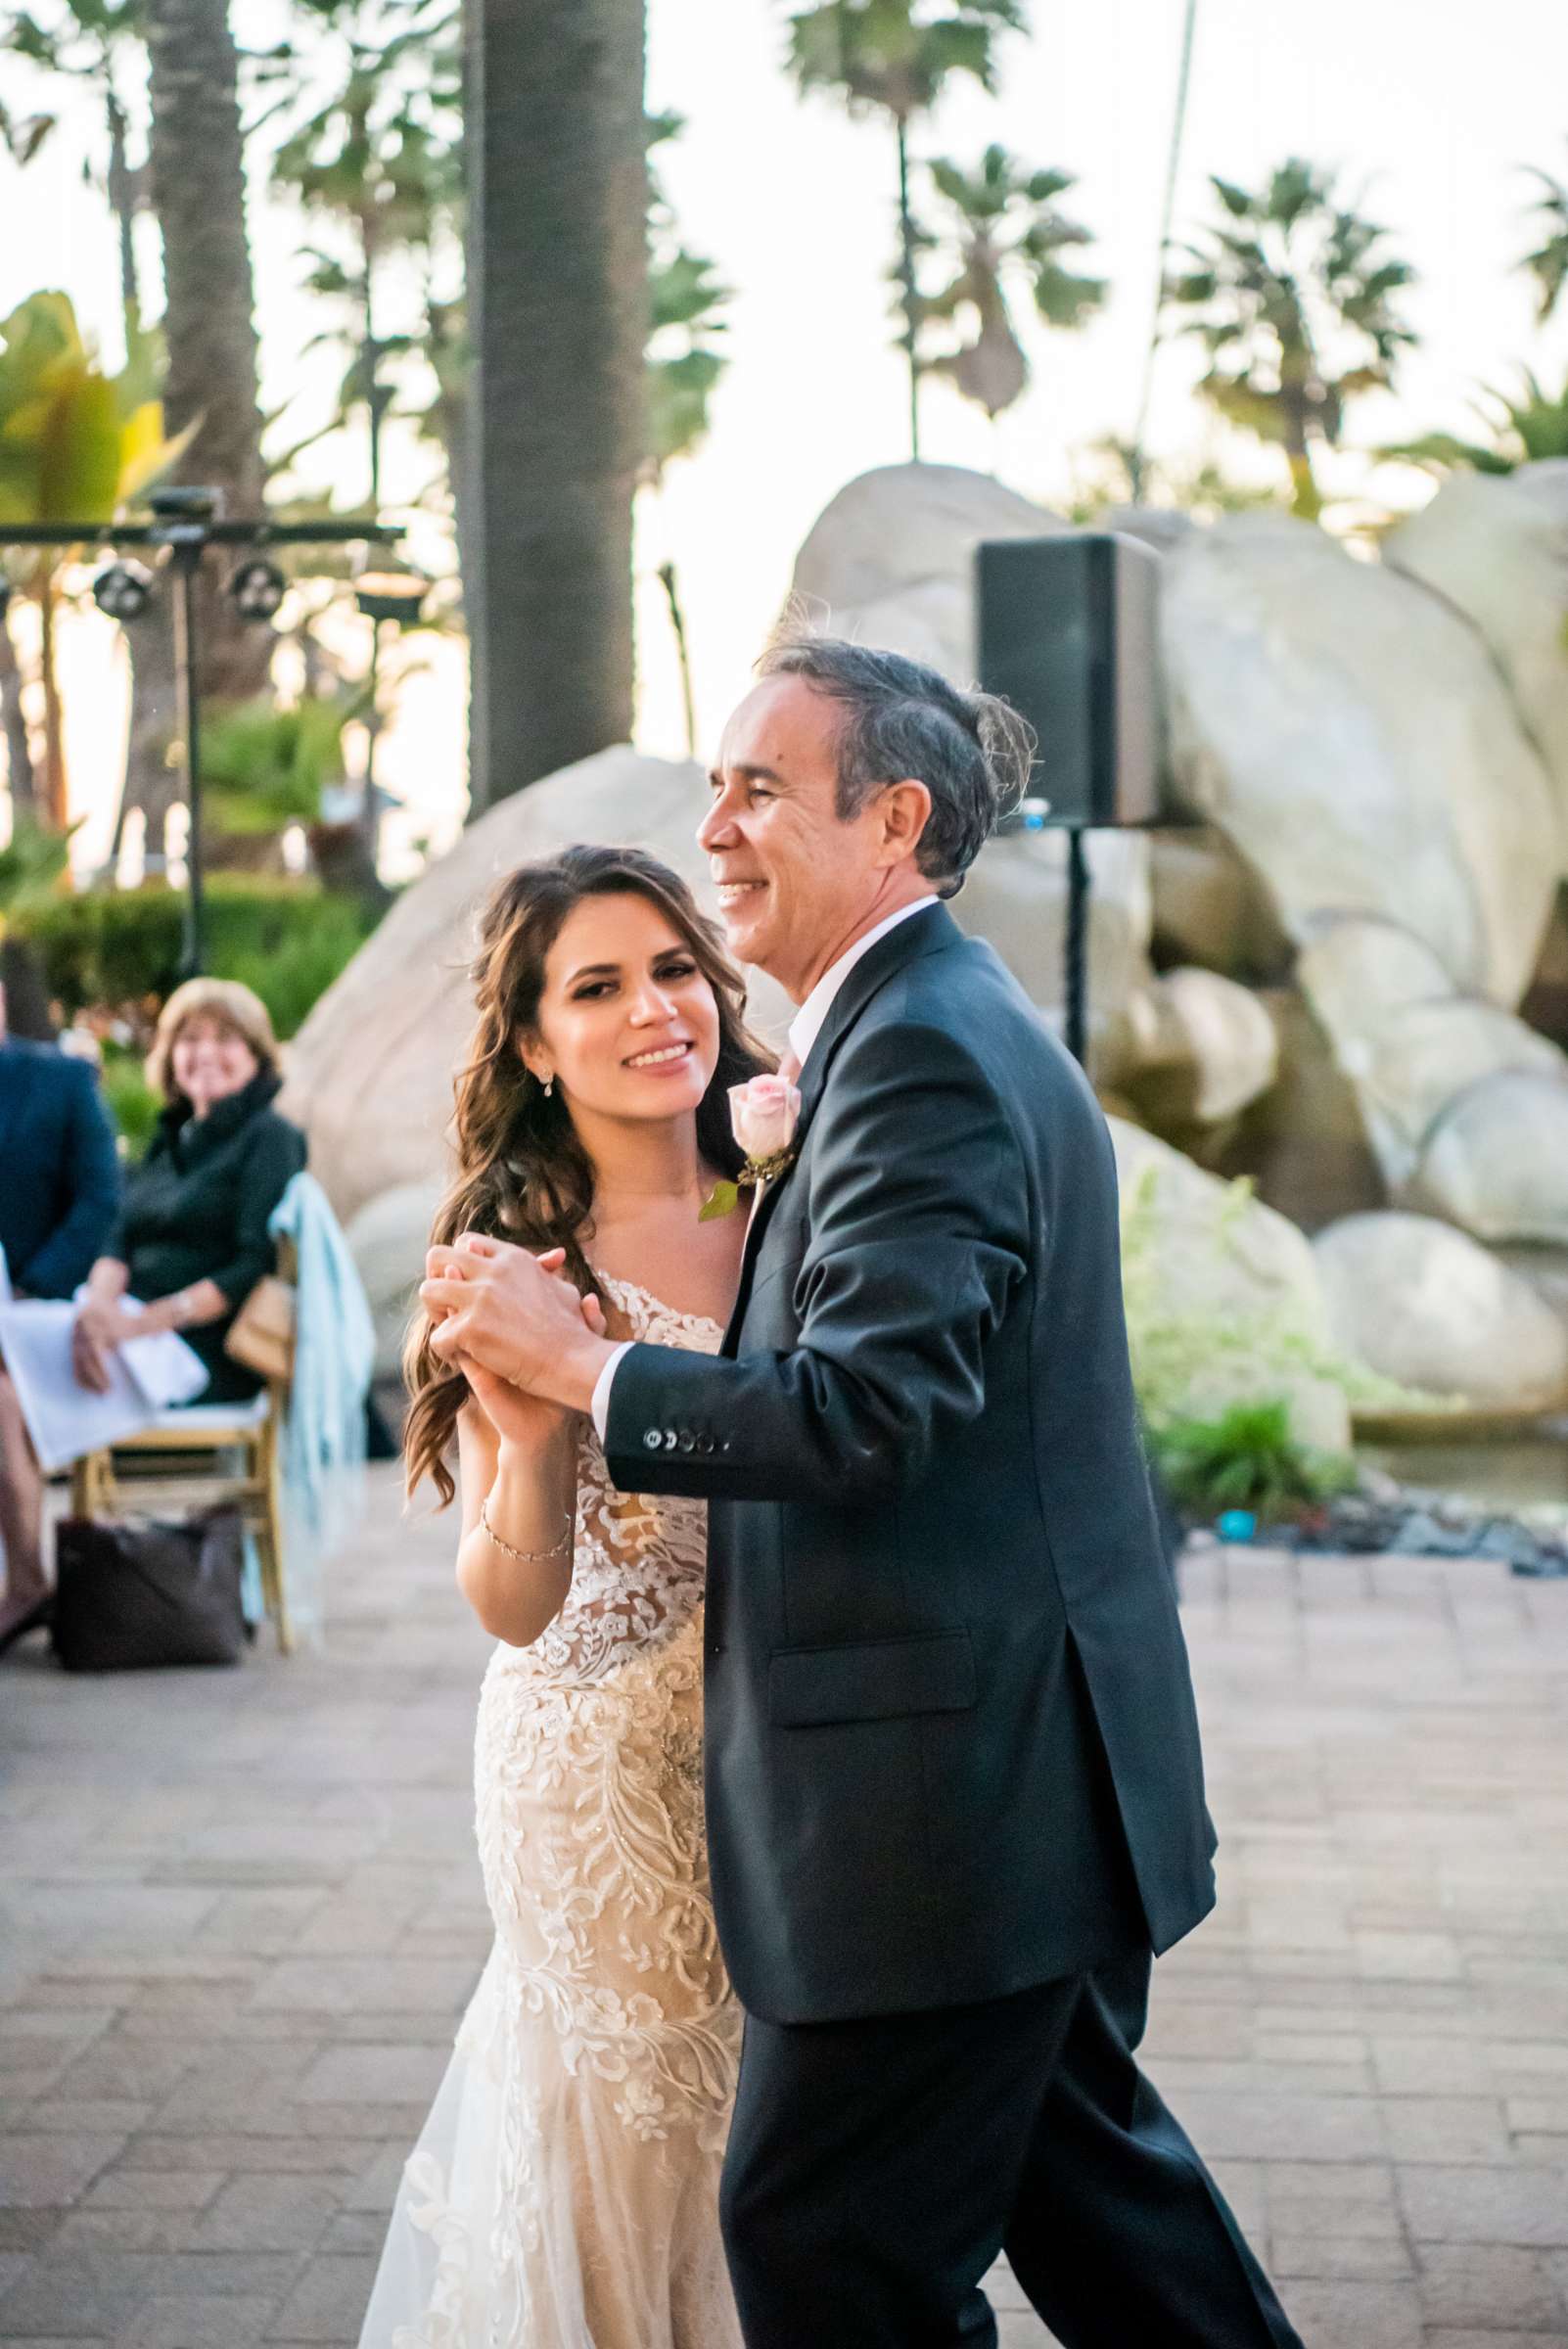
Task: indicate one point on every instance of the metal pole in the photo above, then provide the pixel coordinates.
(187, 558)
(1076, 1025)
(678, 621)
(907, 278)
(1136, 465)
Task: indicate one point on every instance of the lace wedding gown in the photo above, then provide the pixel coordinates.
(564, 2192)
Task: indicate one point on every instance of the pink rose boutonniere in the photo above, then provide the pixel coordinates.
(763, 1114)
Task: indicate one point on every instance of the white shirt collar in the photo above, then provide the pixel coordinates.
(808, 1023)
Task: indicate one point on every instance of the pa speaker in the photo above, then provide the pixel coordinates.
(1066, 630)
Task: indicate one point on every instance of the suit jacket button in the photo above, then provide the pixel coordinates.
(651, 1439)
(688, 1441)
(670, 1438)
(724, 1442)
(705, 1443)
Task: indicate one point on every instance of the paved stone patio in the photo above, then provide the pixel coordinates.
(240, 1916)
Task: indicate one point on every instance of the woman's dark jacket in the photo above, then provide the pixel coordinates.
(197, 1208)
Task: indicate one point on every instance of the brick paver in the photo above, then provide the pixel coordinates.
(240, 1915)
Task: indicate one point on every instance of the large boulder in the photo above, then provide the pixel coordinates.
(1352, 733)
(370, 1073)
(1200, 1050)
(1209, 907)
(1497, 1158)
(1429, 1307)
(1496, 547)
(1407, 1039)
(1224, 1298)
(889, 560)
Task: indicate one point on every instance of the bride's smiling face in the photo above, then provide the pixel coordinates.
(628, 1024)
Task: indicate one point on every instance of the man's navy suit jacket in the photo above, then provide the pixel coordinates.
(59, 1174)
(951, 1745)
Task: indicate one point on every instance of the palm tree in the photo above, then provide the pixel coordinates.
(1549, 263)
(377, 167)
(86, 45)
(1005, 224)
(1294, 305)
(558, 300)
(195, 147)
(1525, 426)
(879, 57)
(684, 304)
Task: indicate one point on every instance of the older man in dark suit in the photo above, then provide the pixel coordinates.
(58, 1190)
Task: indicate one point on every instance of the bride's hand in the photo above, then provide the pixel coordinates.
(522, 1421)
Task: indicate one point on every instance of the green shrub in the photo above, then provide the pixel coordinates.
(131, 1100)
(1190, 1360)
(266, 765)
(288, 939)
(1248, 1459)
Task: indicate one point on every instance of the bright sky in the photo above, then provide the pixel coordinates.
(1430, 110)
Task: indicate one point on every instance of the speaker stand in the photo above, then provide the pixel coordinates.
(1076, 970)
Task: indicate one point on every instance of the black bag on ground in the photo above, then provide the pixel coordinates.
(147, 1591)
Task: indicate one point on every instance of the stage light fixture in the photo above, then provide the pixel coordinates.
(124, 590)
(257, 589)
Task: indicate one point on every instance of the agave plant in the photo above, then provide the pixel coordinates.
(1003, 225)
(1525, 426)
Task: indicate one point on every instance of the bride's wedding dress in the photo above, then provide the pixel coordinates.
(564, 2192)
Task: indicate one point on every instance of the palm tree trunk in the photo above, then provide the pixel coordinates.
(20, 777)
(55, 789)
(151, 784)
(907, 278)
(123, 202)
(1306, 500)
(557, 276)
(195, 152)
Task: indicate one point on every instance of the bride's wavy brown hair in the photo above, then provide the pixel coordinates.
(522, 1173)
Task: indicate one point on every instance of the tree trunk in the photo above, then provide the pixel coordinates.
(20, 777)
(152, 784)
(122, 203)
(557, 282)
(56, 792)
(196, 155)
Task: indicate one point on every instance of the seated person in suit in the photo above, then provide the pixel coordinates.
(192, 1240)
(58, 1190)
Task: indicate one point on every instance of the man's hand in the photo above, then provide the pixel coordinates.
(511, 1314)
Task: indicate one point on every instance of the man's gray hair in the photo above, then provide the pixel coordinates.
(971, 752)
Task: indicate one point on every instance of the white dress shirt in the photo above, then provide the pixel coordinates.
(804, 1029)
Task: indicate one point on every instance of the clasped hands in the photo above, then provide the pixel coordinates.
(494, 1305)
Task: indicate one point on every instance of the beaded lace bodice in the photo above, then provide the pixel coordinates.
(639, 1563)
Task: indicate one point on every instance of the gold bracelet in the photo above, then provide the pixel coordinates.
(529, 1558)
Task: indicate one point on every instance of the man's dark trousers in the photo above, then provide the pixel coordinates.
(877, 2169)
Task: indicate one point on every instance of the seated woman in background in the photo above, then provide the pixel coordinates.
(192, 1240)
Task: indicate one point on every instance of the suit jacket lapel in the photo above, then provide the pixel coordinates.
(924, 933)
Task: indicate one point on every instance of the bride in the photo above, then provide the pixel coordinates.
(564, 2192)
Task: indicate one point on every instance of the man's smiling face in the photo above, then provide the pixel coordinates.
(796, 881)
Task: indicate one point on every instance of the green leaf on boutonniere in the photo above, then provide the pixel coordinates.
(721, 1200)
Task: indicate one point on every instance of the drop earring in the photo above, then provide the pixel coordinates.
(549, 1088)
